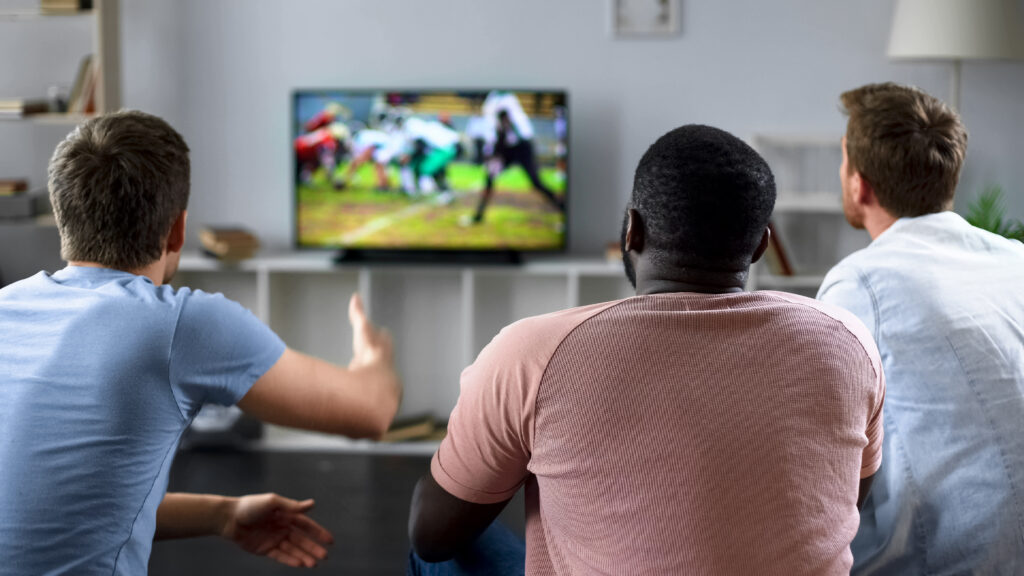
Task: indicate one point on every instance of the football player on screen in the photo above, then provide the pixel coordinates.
(320, 149)
(513, 144)
(430, 148)
(332, 112)
(376, 146)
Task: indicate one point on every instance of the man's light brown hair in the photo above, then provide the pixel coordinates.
(117, 184)
(908, 145)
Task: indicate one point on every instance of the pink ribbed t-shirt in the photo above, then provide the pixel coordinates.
(675, 434)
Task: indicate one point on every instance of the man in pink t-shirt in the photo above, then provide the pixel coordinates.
(692, 429)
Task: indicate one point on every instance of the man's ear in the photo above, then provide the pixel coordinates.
(863, 191)
(766, 239)
(176, 238)
(634, 232)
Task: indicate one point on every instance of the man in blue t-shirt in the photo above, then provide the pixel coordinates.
(103, 366)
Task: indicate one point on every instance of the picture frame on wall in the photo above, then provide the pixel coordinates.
(644, 18)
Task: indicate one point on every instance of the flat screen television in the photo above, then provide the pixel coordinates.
(430, 171)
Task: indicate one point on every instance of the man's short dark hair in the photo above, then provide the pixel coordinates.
(705, 197)
(118, 183)
(908, 145)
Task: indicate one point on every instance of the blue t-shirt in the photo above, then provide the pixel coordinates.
(100, 373)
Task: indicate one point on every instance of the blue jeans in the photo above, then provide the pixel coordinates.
(496, 552)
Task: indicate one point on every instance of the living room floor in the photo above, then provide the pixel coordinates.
(362, 499)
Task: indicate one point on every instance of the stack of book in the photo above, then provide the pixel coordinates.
(64, 6)
(415, 428)
(19, 108)
(12, 186)
(229, 243)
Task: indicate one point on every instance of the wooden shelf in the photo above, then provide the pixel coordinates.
(811, 203)
(303, 262)
(54, 119)
(289, 440)
(37, 14)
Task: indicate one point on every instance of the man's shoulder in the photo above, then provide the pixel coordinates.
(555, 325)
(850, 284)
(858, 263)
(825, 309)
(837, 316)
(141, 297)
(204, 306)
(536, 338)
(24, 286)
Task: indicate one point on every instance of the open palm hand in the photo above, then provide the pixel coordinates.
(277, 527)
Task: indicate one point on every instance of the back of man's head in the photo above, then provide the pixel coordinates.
(705, 197)
(908, 145)
(117, 184)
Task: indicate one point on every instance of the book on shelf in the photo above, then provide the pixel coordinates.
(613, 252)
(75, 104)
(64, 6)
(776, 255)
(12, 186)
(422, 427)
(82, 99)
(229, 243)
(21, 107)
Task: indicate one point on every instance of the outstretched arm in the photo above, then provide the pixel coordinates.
(264, 524)
(304, 392)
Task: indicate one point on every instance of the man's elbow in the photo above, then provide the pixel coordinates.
(369, 427)
(375, 423)
(376, 429)
(864, 491)
(431, 554)
(425, 535)
(428, 548)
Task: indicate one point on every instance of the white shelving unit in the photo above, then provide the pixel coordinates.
(808, 211)
(52, 45)
(441, 316)
(105, 15)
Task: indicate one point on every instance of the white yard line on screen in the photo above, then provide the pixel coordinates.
(382, 222)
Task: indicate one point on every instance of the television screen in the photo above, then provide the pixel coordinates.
(431, 170)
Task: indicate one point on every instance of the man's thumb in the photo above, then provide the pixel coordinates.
(356, 314)
(294, 506)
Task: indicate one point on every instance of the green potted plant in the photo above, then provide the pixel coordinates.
(988, 213)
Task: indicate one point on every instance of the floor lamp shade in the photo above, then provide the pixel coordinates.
(957, 30)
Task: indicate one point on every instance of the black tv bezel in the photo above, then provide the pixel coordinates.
(427, 252)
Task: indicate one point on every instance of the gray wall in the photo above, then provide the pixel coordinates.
(222, 70)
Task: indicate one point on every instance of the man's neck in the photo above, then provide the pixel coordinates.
(663, 280)
(154, 271)
(878, 220)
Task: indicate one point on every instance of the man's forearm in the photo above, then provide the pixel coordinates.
(191, 515)
(305, 392)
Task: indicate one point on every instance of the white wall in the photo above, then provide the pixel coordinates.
(222, 71)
